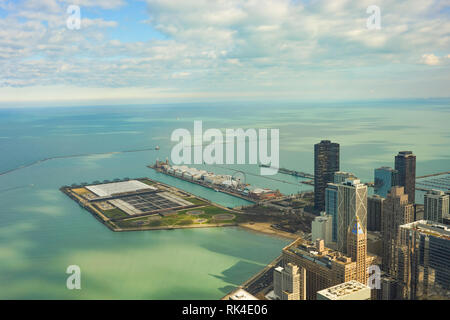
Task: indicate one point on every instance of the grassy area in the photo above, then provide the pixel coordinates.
(196, 201)
(114, 213)
(180, 219)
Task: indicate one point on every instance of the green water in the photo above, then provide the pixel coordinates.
(42, 231)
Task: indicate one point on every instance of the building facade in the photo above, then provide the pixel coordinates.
(425, 264)
(326, 163)
(331, 207)
(322, 228)
(436, 206)
(324, 267)
(374, 212)
(396, 211)
(405, 164)
(289, 282)
(351, 203)
(385, 179)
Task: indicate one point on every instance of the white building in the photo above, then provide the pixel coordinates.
(322, 228)
(289, 282)
(436, 205)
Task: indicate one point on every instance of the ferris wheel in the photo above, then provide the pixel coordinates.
(239, 176)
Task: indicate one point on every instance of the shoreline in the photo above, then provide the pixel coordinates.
(265, 228)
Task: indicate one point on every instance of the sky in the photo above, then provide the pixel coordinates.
(214, 50)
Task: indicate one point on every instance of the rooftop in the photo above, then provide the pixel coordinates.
(343, 289)
(309, 251)
(241, 294)
(431, 228)
(109, 189)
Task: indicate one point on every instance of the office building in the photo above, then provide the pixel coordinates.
(326, 163)
(324, 267)
(396, 211)
(405, 164)
(436, 206)
(331, 207)
(342, 202)
(374, 212)
(385, 179)
(322, 228)
(351, 203)
(425, 260)
(357, 249)
(289, 282)
(350, 290)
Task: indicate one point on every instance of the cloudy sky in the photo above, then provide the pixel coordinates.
(213, 50)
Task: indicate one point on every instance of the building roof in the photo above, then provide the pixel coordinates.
(342, 290)
(109, 189)
(241, 294)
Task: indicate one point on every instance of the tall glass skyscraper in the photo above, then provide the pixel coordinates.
(326, 163)
(385, 179)
(405, 164)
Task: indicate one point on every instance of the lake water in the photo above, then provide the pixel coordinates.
(42, 231)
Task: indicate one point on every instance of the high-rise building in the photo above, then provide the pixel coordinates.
(289, 282)
(396, 211)
(424, 267)
(331, 207)
(341, 176)
(374, 212)
(351, 203)
(405, 164)
(357, 249)
(326, 163)
(350, 290)
(385, 179)
(342, 202)
(324, 267)
(322, 228)
(436, 206)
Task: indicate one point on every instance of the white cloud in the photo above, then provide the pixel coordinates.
(257, 45)
(430, 59)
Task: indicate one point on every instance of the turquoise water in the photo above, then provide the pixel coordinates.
(42, 231)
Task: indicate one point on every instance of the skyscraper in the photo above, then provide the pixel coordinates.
(396, 211)
(374, 212)
(351, 202)
(385, 179)
(322, 228)
(326, 163)
(436, 206)
(357, 249)
(425, 264)
(405, 164)
(289, 282)
(331, 207)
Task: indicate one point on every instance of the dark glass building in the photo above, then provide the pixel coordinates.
(326, 163)
(405, 164)
(374, 212)
(385, 179)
